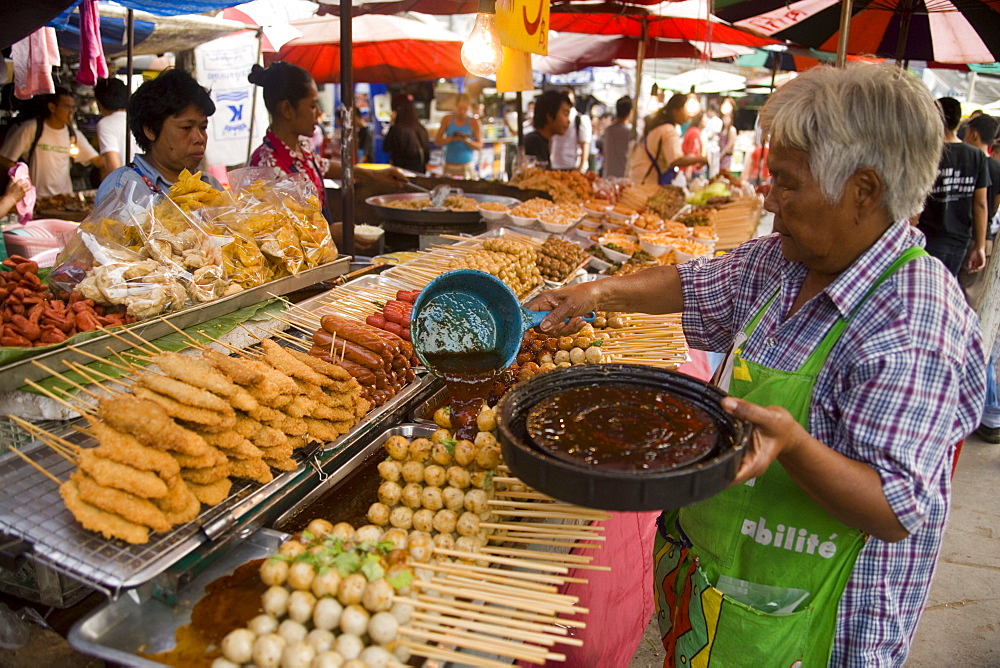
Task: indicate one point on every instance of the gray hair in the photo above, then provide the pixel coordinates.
(863, 116)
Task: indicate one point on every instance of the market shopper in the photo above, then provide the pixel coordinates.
(461, 135)
(168, 117)
(658, 154)
(292, 100)
(954, 215)
(858, 362)
(50, 145)
(550, 118)
(407, 141)
(615, 140)
(112, 130)
(571, 149)
(979, 134)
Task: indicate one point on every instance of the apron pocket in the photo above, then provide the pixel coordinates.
(726, 632)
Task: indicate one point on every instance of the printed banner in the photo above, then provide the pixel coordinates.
(524, 25)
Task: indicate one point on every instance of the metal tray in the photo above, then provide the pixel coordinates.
(13, 375)
(119, 629)
(379, 203)
(32, 510)
(341, 469)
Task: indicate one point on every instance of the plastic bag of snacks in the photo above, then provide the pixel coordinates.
(105, 262)
(269, 221)
(297, 194)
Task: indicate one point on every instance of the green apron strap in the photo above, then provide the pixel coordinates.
(818, 357)
(752, 325)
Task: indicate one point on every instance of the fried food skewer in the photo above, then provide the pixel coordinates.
(107, 524)
(38, 467)
(150, 424)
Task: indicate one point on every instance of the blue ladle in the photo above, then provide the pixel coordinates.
(470, 313)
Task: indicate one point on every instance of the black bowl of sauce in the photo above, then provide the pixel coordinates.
(621, 437)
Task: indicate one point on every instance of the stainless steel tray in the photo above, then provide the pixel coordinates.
(379, 202)
(344, 467)
(13, 375)
(119, 629)
(32, 510)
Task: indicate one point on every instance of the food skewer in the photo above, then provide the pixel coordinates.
(83, 408)
(66, 380)
(549, 629)
(38, 467)
(437, 652)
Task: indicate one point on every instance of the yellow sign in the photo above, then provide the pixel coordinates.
(515, 71)
(524, 25)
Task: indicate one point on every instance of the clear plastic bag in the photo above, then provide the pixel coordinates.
(268, 220)
(297, 194)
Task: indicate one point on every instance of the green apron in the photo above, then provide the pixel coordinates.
(783, 561)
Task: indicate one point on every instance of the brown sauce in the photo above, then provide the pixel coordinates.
(622, 427)
(347, 501)
(468, 377)
(229, 603)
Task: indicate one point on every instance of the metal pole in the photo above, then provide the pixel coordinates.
(253, 94)
(346, 126)
(520, 118)
(845, 31)
(640, 55)
(130, 34)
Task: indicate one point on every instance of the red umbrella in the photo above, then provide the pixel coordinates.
(439, 7)
(570, 52)
(386, 49)
(947, 31)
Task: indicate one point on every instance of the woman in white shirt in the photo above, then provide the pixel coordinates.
(49, 145)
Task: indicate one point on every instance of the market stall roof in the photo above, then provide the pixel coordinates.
(385, 49)
(153, 34)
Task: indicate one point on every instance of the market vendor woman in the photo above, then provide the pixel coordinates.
(168, 117)
(859, 363)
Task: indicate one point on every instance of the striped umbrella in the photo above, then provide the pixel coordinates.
(946, 31)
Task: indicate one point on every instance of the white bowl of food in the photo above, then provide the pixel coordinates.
(493, 211)
(655, 244)
(596, 207)
(622, 214)
(522, 221)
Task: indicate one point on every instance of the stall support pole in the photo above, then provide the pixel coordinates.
(845, 31)
(253, 93)
(640, 55)
(130, 38)
(347, 126)
(520, 118)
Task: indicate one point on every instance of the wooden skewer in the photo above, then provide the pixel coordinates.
(527, 540)
(489, 577)
(543, 514)
(476, 556)
(135, 335)
(490, 642)
(85, 372)
(542, 526)
(536, 554)
(558, 601)
(477, 643)
(525, 615)
(54, 397)
(298, 343)
(130, 344)
(195, 342)
(451, 589)
(548, 628)
(64, 448)
(553, 506)
(66, 380)
(484, 627)
(38, 467)
(435, 652)
(96, 358)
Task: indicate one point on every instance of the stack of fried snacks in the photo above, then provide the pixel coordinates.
(179, 437)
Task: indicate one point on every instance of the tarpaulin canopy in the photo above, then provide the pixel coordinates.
(113, 38)
(441, 7)
(570, 52)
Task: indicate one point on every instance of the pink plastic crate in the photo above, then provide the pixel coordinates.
(38, 236)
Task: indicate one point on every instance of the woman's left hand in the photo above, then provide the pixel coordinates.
(775, 433)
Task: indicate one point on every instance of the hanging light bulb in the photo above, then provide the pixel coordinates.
(727, 106)
(693, 104)
(482, 53)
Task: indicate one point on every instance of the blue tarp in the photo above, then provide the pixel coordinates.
(158, 7)
(112, 33)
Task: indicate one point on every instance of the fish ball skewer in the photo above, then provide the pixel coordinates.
(423, 520)
(378, 513)
(389, 493)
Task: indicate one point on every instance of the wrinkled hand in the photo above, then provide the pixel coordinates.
(775, 433)
(976, 261)
(17, 190)
(570, 302)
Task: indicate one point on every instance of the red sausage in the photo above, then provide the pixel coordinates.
(407, 295)
(349, 350)
(376, 320)
(359, 333)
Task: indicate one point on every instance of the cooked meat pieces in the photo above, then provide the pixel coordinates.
(150, 424)
(206, 476)
(323, 367)
(211, 494)
(125, 449)
(187, 512)
(282, 360)
(197, 372)
(133, 508)
(109, 525)
(213, 458)
(193, 414)
(251, 469)
(235, 368)
(110, 473)
(183, 392)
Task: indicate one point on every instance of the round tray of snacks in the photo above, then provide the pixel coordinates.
(416, 207)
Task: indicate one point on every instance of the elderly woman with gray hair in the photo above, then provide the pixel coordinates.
(855, 357)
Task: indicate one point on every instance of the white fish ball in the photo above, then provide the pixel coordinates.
(292, 631)
(349, 646)
(274, 571)
(300, 575)
(321, 640)
(382, 627)
(300, 606)
(262, 625)
(354, 620)
(275, 601)
(297, 655)
(267, 650)
(327, 659)
(326, 614)
(237, 646)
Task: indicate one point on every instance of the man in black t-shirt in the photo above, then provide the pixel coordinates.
(979, 134)
(954, 216)
(551, 118)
